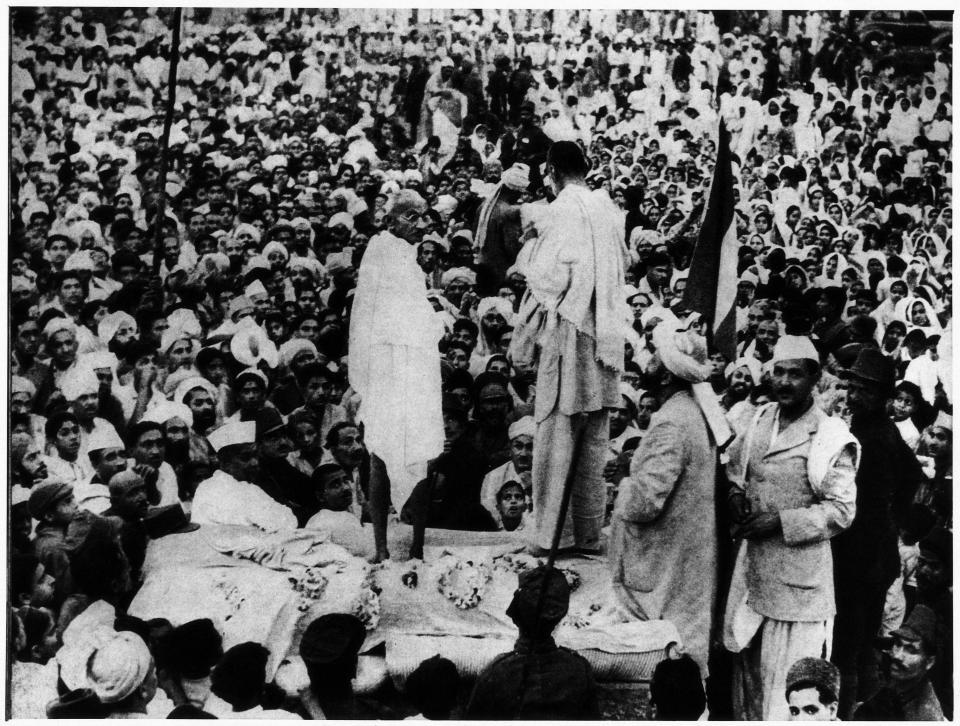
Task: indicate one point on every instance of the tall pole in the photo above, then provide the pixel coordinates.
(165, 139)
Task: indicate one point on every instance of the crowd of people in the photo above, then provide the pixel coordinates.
(189, 356)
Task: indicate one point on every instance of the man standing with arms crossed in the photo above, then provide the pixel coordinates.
(395, 362)
(571, 326)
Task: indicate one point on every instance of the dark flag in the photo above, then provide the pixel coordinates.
(712, 284)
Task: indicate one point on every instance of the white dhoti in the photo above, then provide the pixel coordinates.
(396, 426)
(760, 670)
(551, 467)
(395, 363)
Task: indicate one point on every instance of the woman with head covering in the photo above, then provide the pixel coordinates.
(831, 268)
(795, 278)
(917, 312)
(494, 315)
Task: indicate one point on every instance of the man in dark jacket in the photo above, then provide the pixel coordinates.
(907, 694)
(278, 477)
(866, 557)
(537, 680)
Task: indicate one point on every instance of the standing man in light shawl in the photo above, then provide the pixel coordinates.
(663, 539)
(395, 362)
(792, 475)
(571, 326)
(499, 235)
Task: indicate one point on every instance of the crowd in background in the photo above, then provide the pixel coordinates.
(156, 360)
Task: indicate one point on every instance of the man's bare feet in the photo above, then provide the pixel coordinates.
(382, 555)
(416, 553)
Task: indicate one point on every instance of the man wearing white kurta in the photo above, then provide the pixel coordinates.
(793, 488)
(226, 497)
(571, 325)
(395, 362)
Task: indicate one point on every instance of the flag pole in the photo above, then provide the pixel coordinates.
(165, 139)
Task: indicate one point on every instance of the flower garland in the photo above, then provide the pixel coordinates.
(310, 587)
(367, 605)
(462, 582)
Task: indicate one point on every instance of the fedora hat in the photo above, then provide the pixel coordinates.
(170, 519)
(873, 366)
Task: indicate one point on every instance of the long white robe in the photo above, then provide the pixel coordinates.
(395, 363)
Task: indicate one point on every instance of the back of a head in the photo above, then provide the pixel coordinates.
(434, 686)
(194, 647)
(567, 159)
(189, 711)
(329, 649)
(240, 675)
(677, 690)
(540, 601)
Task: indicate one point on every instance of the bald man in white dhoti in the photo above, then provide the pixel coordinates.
(395, 362)
(572, 326)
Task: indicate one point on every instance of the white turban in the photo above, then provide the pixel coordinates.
(58, 325)
(684, 353)
(275, 247)
(458, 273)
(79, 260)
(166, 410)
(341, 218)
(19, 384)
(119, 667)
(194, 382)
(751, 364)
(517, 177)
(111, 323)
(313, 266)
(294, 347)
(82, 382)
(794, 347)
(525, 426)
(500, 304)
(171, 335)
(249, 229)
(659, 313)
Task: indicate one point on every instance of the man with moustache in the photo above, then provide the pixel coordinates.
(792, 488)
(395, 362)
(200, 396)
(907, 694)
